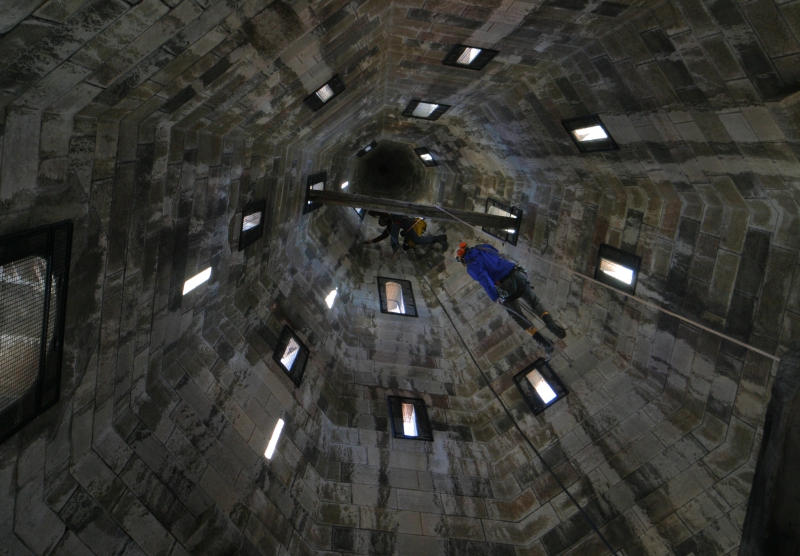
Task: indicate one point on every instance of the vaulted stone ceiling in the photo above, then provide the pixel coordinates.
(151, 124)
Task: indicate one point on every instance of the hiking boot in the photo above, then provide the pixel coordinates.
(553, 326)
(546, 344)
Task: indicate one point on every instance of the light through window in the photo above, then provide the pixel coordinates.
(331, 297)
(409, 420)
(196, 280)
(543, 389)
(394, 298)
(319, 186)
(426, 157)
(616, 271)
(424, 110)
(325, 93)
(251, 221)
(273, 442)
(290, 353)
(468, 56)
(594, 133)
(345, 184)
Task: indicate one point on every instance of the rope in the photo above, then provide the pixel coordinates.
(635, 298)
(511, 417)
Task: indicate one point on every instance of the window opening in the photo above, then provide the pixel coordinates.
(252, 224)
(396, 296)
(426, 157)
(196, 280)
(539, 385)
(273, 441)
(360, 212)
(589, 134)
(291, 354)
(322, 96)
(367, 149)
(314, 182)
(469, 57)
(331, 298)
(34, 269)
(325, 93)
(509, 235)
(409, 418)
(617, 268)
(425, 110)
(345, 184)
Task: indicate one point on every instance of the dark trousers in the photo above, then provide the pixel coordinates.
(517, 283)
(411, 235)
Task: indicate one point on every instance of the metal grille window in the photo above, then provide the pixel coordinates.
(252, 223)
(292, 355)
(315, 182)
(33, 292)
(540, 386)
(508, 235)
(396, 297)
(409, 418)
(367, 149)
(425, 110)
(617, 268)
(469, 57)
(589, 134)
(325, 94)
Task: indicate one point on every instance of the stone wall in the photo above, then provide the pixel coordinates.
(152, 124)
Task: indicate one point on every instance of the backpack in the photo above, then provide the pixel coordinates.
(419, 228)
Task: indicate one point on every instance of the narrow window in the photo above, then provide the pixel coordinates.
(511, 234)
(331, 298)
(273, 441)
(196, 280)
(291, 354)
(539, 385)
(367, 149)
(409, 418)
(314, 182)
(360, 212)
(252, 224)
(617, 268)
(589, 134)
(425, 110)
(345, 184)
(396, 296)
(323, 95)
(469, 57)
(425, 156)
(34, 269)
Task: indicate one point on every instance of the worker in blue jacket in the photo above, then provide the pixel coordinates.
(506, 282)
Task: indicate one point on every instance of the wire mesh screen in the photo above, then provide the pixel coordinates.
(396, 296)
(33, 275)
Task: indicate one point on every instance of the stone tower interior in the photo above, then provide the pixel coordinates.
(151, 124)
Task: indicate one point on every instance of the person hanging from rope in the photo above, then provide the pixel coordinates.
(507, 282)
(411, 229)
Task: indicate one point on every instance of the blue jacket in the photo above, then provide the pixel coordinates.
(487, 267)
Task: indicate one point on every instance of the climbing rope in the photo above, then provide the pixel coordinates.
(511, 417)
(635, 298)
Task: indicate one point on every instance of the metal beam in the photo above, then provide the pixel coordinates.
(412, 209)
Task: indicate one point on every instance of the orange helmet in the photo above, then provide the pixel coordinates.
(461, 250)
